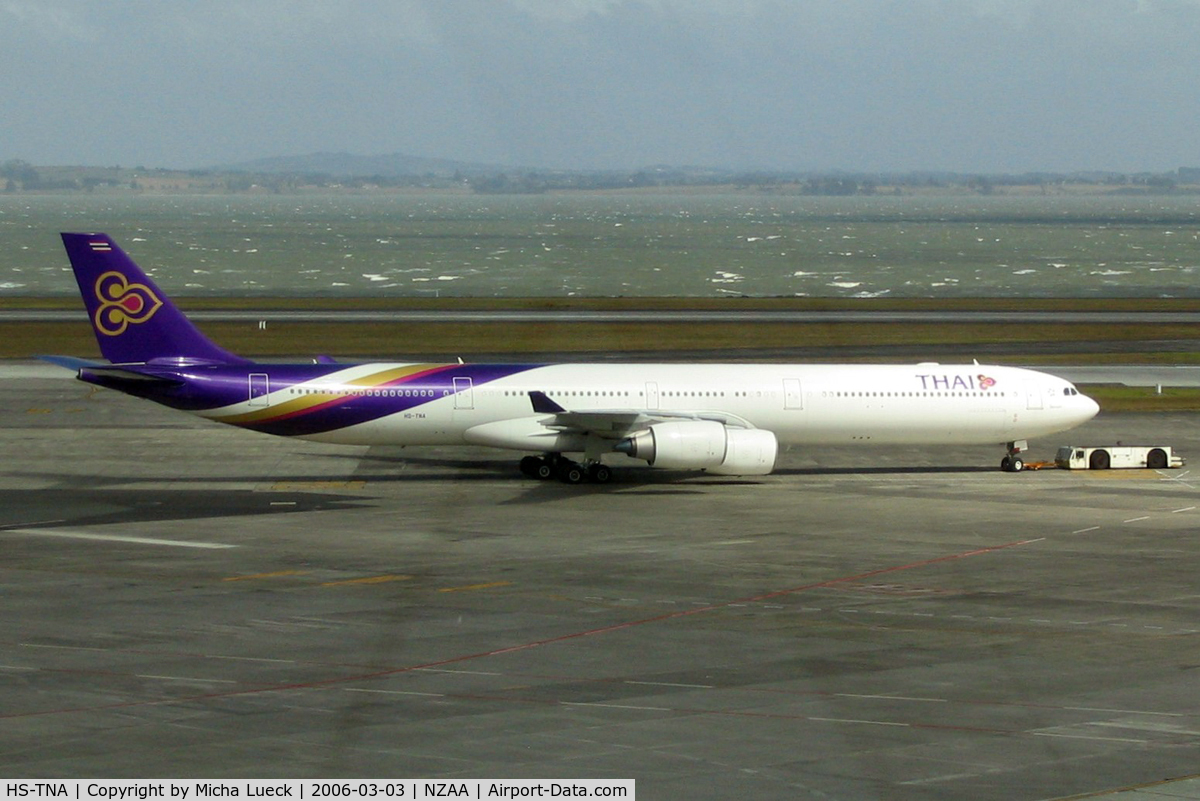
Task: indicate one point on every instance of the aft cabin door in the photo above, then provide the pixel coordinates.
(260, 388)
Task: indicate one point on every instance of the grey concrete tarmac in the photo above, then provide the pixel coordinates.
(186, 600)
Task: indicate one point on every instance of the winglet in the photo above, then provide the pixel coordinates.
(543, 405)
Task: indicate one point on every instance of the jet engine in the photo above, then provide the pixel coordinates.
(704, 445)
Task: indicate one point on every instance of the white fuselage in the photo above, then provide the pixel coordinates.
(800, 404)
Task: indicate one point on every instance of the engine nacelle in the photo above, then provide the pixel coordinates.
(704, 445)
(748, 452)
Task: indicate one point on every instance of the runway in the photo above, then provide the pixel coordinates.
(190, 600)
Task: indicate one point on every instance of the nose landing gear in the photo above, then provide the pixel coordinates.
(1012, 462)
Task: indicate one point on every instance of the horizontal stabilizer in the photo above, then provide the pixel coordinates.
(111, 376)
(70, 362)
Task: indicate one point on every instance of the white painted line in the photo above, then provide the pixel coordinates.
(190, 679)
(615, 706)
(1123, 711)
(671, 684)
(15, 667)
(1163, 728)
(1136, 519)
(1087, 737)
(949, 777)
(1184, 509)
(81, 535)
(464, 672)
(868, 722)
(395, 692)
(1086, 530)
(62, 647)
(895, 698)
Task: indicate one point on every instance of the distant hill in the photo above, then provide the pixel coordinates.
(349, 165)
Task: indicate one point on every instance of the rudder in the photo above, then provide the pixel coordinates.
(133, 320)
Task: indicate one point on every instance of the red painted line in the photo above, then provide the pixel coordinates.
(629, 624)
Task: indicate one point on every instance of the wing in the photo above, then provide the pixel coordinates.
(619, 423)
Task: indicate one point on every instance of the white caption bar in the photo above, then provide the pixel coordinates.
(312, 789)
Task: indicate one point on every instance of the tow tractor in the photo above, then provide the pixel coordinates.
(1102, 457)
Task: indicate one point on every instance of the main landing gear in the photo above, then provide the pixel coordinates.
(555, 465)
(1012, 462)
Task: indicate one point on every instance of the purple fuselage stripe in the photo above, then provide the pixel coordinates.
(206, 388)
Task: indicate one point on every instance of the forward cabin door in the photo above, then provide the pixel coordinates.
(1033, 395)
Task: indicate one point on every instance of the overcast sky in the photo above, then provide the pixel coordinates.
(963, 85)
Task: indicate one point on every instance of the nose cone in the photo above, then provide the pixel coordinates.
(1087, 408)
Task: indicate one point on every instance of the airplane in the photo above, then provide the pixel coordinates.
(725, 419)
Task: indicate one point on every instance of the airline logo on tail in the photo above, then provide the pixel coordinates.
(122, 304)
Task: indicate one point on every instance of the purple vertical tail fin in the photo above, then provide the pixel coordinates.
(132, 318)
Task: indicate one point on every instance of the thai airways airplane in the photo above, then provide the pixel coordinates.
(727, 419)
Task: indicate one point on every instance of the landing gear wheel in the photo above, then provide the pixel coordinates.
(571, 473)
(537, 467)
(599, 473)
(1016, 465)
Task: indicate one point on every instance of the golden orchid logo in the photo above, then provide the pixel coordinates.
(122, 304)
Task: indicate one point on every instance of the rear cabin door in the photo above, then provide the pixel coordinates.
(464, 393)
(260, 389)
